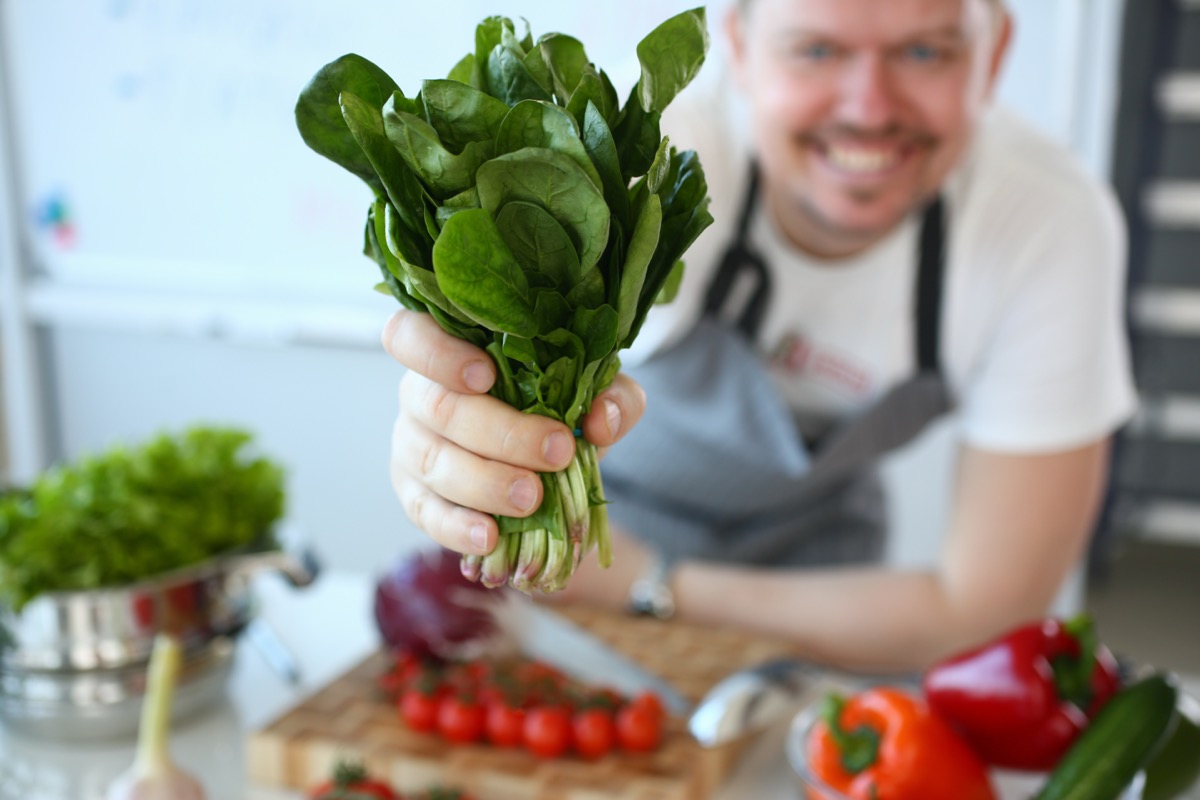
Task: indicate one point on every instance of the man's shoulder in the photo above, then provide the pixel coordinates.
(1017, 184)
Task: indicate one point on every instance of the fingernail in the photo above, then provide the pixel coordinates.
(612, 415)
(523, 494)
(479, 536)
(477, 376)
(558, 448)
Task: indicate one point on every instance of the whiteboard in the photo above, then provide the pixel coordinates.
(155, 140)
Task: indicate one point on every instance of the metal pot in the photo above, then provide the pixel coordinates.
(115, 627)
(73, 664)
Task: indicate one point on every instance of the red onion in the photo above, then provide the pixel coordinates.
(425, 606)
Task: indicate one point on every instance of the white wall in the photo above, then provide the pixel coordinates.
(141, 343)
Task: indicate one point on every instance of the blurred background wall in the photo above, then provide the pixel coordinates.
(172, 253)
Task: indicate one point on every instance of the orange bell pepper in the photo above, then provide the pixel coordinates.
(885, 744)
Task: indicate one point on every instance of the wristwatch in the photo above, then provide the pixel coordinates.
(651, 595)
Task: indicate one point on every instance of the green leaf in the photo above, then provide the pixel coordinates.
(488, 36)
(535, 123)
(671, 286)
(567, 60)
(420, 283)
(365, 122)
(538, 70)
(319, 112)
(477, 273)
(670, 56)
(637, 261)
(660, 167)
(602, 150)
(593, 88)
(510, 80)
(520, 349)
(638, 136)
(444, 172)
(464, 71)
(556, 389)
(552, 312)
(461, 114)
(597, 328)
(556, 183)
(538, 242)
(589, 292)
(468, 198)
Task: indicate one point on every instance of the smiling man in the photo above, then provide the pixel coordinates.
(888, 247)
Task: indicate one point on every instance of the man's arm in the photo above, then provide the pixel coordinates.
(1018, 525)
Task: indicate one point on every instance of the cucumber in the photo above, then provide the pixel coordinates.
(1118, 742)
(1175, 768)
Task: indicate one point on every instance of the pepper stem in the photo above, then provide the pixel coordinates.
(1073, 674)
(859, 748)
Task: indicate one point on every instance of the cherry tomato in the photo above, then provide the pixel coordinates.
(351, 780)
(460, 719)
(505, 724)
(652, 703)
(594, 732)
(419, 709)
(639, 728)
(547, 731)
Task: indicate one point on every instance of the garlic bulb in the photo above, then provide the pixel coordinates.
(153, 775)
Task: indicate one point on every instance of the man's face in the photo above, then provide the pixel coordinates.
(861, 107)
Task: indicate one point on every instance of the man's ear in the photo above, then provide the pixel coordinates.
(1000, 47)
(735, 34)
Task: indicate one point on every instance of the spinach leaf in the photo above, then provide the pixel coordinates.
(319, 111)
(510, 80)
(535, 123)
(556, 183)
(477, 273)
(637, 261)
(670, 56)
(602, 150)
(461, 114)
(565, 57)
(444, 172)
(538, 242)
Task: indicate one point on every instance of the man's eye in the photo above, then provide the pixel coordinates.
(922, 54)
(815, 51)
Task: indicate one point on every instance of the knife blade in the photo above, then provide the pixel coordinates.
(542, 634)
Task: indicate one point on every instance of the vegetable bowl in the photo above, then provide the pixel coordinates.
(1008, 785)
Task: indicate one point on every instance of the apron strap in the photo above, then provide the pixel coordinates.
(931, 267)
(742, 275)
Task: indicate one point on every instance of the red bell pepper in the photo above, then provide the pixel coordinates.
(885, 744)
(1023, 698)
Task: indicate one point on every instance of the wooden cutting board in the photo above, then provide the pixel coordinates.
(350, 718)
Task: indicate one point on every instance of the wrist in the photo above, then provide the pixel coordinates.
(651, 594)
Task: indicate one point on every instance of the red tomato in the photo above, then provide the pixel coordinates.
(505, 724)
(547, 731)
(652, 703)
(639, 728)
(594, 732)
(460, 719)
(419, 709)
(351, 780)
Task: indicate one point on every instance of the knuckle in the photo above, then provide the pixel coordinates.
(442, 404)
(428, 456)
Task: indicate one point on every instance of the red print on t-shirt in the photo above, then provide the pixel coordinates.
(797, 356)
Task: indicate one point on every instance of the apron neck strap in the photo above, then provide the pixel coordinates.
(931, 267)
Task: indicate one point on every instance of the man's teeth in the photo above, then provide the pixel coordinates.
(858, 159)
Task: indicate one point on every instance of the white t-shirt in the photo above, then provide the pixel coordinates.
(1032, 343)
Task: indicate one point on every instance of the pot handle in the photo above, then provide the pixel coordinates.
(299, 569)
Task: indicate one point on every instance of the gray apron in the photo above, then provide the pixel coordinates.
(717, 469)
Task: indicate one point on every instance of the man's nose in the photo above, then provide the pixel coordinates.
(868, 97)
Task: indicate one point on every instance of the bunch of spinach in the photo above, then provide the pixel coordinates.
(529, 212)
(132, 513)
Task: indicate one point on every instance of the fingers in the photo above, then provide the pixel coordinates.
(615, 411)
(488, 427)
(460, 529)
(418, 342)
(462, 477)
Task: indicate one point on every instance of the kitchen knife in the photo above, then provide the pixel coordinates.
(752, 699)
(542, 634)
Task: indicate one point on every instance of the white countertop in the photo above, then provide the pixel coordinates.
(211, 744)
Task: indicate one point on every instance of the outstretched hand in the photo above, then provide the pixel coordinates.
(460, 455)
